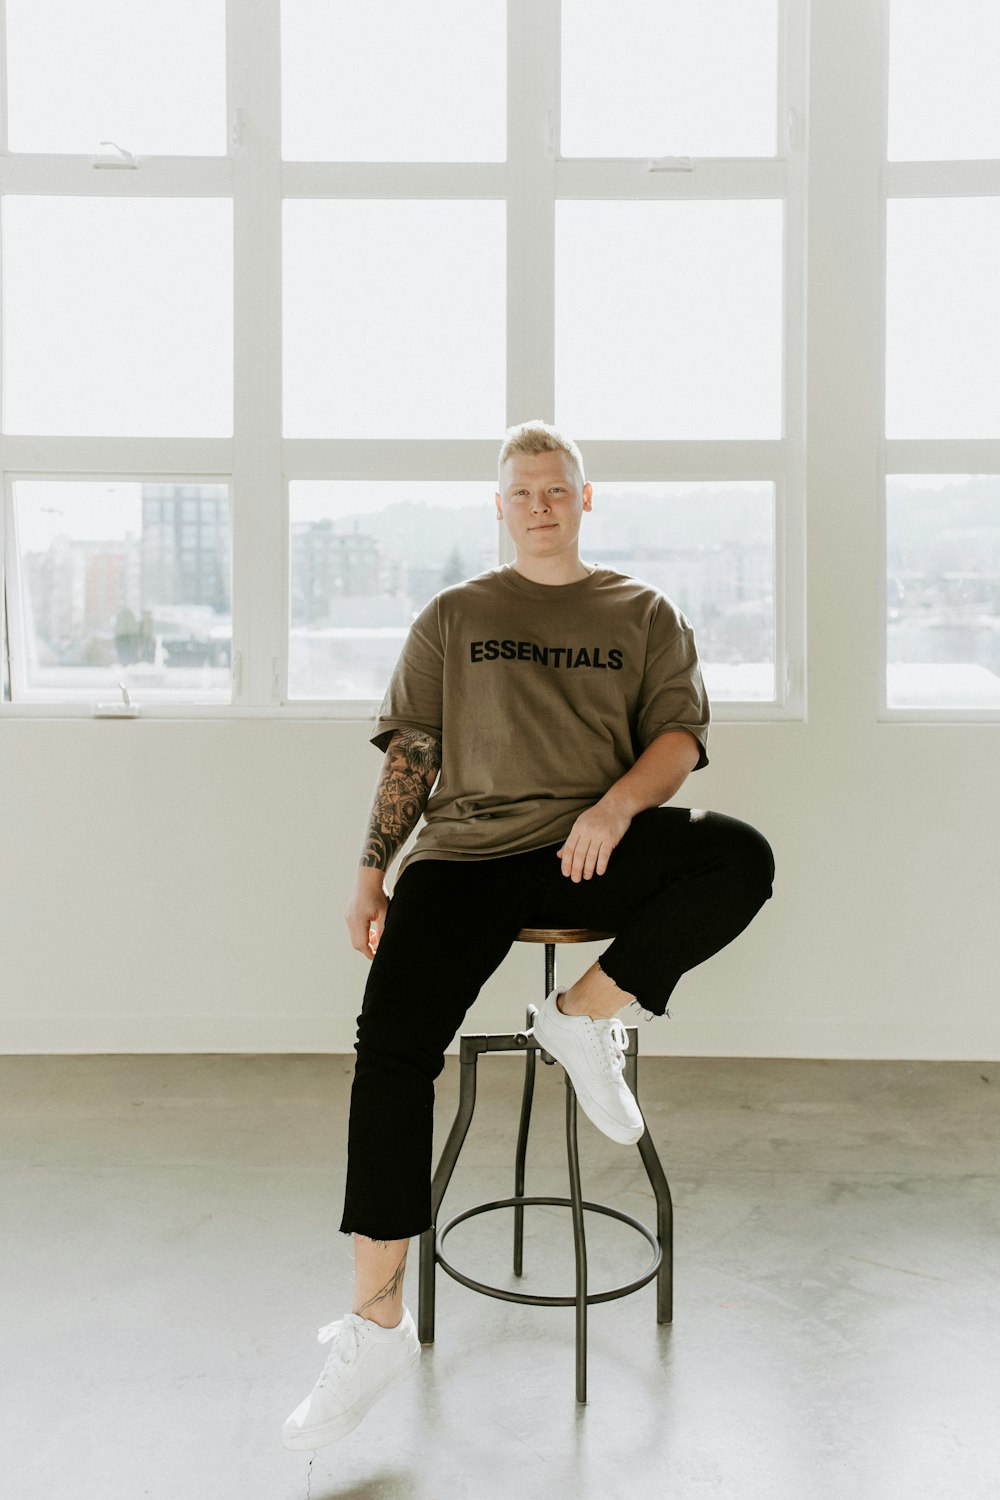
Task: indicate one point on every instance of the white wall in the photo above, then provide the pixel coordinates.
(181, 886)
(173, 886)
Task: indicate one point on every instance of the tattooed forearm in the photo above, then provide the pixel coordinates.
(412, 762)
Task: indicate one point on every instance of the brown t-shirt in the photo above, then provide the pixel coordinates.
(542, 696)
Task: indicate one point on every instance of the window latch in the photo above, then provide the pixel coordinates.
(124, 710)
(123, 159)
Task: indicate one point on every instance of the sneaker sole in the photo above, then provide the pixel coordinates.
(591, 1107)
(338, 1427)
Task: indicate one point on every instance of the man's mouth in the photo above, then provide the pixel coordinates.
(545, 526)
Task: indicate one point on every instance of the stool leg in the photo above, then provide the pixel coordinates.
(522, 1133)
(664, 1206)
(442, 1176)
(522, 1149)
(579, 1243)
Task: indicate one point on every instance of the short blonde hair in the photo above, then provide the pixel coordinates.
(536, 436)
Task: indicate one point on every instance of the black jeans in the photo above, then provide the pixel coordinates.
(680, 885)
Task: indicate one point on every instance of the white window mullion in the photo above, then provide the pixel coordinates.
(411, 179)
(942, 456)
(846, 319)
(85, 457)
(532, 114)
(680, 458)
(532, 139)
(631, 179)
(387, 458)
(943, 179)
(259, 499)
(790, 483)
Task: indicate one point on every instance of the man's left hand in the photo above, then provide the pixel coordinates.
(591, 839)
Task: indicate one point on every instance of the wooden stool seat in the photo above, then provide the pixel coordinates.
(432, 1239)
(561, 935)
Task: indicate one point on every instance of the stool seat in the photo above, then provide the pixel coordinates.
(561, 935)
(472, 1045)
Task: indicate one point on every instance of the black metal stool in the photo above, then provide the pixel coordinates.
(432, 1240)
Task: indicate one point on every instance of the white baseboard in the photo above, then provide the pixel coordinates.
(678, 1035)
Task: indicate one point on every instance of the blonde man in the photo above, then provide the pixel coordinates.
(539, 716)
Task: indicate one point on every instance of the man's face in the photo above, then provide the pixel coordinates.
(542, 502)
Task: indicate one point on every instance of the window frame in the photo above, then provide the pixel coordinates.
(258, 463)
(901, 456)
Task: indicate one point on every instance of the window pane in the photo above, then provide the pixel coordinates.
(118, 316)
(668, 319)
(394, 318)
(151, 77)
(944, 103)
(110, 592)
(392, 81)
(709, 548)
(943, 590)
(943, 318)
(661, 78)
(365, 557)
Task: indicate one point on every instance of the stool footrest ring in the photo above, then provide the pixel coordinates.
(537, 1301)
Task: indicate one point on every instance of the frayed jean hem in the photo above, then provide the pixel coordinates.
(412, 1234)
(649, 1015)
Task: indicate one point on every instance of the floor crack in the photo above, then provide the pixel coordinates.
(903, 1270)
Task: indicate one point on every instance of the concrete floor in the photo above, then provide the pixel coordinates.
(171, 1248)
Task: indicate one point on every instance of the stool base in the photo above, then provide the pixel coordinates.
(539, 1301)
(432, 1240)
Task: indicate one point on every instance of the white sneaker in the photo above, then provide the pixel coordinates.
(593, 1054)
(363, 1363)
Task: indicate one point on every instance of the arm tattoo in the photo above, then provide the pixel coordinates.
(412, 762)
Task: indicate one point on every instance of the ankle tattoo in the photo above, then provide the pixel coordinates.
(389, 1291)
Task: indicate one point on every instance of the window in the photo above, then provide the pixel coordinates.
(943, 578)
(117, 316)
(107, 591)
(365, 558)
(700, 79)
(351, 92)
(277, 278)
(942, 373)
(151, 75)
(943, 99)
(393, 317)
(710, 547)
(635, 358)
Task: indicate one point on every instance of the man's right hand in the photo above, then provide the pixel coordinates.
(365, 914)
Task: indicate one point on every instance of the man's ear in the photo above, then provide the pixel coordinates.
(588, 495)
(496, 496)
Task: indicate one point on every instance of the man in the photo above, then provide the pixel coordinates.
(552, 706)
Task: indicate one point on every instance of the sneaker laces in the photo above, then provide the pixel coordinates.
(344, 1333)
(617, 1038)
